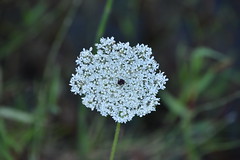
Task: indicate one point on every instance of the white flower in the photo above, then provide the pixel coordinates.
(120, 81)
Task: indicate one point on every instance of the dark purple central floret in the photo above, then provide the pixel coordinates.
(121, 82)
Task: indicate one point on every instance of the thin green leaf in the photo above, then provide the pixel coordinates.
(175, 105)
(15, 115)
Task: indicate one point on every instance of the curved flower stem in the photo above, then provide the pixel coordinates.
(115, 141)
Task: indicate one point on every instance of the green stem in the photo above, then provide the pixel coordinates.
(115, 141)
(190, 146)
(83, 138)
(103, 21)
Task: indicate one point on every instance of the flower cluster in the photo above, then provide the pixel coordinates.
(119, 80)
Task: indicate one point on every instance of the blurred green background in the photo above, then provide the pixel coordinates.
(196, 42)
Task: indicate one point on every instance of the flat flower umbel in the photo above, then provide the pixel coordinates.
(120, 81)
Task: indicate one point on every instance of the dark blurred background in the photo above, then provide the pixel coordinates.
(196, 42)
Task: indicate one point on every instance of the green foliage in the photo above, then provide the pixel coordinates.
(197, 76)
(200, 90)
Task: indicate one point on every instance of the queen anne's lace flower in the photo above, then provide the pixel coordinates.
(120, 81)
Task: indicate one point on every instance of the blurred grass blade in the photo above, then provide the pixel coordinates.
(221, 146)
(84, 140)
(202, 131)
(5, 143)
(205, 81)
(198, 55)
(32, 15)
(54, 90)
(175, 105)
(218, 103)
(206, 52)
(16, 115)
(104, 19)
